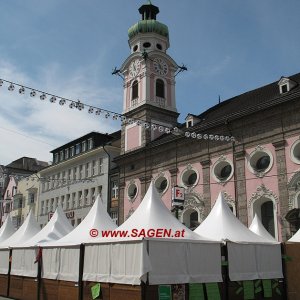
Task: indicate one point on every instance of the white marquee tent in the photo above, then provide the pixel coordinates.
(7, 229)
(61, 257)
(250, 256)
(156, 260)
(258, 228)
(24, 254)
(295, 238)
(28, 229)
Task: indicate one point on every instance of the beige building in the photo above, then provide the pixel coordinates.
(80, 172)
(25, 199)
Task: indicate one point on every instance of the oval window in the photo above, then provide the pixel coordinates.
(147, 45)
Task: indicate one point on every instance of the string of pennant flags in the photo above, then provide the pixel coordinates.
(22, 89)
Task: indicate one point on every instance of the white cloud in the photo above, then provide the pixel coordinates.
(45, 121)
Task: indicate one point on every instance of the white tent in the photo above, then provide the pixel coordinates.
(295, 238)
(7, 229)
(61, 257)
(250, 256)
(142, 255)
(258, 228)
(28, 229)
(24, 254)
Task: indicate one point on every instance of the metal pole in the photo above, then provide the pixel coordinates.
(80, 282)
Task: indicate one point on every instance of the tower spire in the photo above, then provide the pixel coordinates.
(149, 11)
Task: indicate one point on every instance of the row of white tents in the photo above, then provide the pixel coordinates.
(195, 257)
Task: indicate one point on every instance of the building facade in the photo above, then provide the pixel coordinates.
(10, 175)
(247, 146)
(25, 199)
(79, 173)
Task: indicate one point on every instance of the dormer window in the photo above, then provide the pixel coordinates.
(191, 120)
(285, 85)
(189, 124)
(284, 88)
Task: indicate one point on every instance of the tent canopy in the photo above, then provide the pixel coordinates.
(7, 229)
(28, 229)
(258, 228)
(156, 259)
(152, 220)
(295, 238)
(250, 256)
(222, 225)
(56, 228)
(97, 218)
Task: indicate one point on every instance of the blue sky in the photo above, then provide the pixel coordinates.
(69, 48)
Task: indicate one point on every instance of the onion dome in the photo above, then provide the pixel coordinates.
(148, 24)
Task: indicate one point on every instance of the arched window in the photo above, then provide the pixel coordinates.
(267, 217)
(135, 90)
(265, 210)
(160, 88)
(190, 218)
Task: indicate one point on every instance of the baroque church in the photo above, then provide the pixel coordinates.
(258, 169)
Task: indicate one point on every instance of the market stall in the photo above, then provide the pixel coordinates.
(28, 229)
(6, 231)
(156, 250)
(63, 259)
(249, 256)
(292, 266)
(26, 257)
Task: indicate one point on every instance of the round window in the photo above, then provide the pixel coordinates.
(132, 191)
(222, 170)
(295, 152)
(135, 48)
(159, 46)
(260, 161)
(225, 172)
(147, 45)
(189, 178)
(161, 184)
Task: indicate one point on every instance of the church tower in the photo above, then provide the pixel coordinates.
(149, 82)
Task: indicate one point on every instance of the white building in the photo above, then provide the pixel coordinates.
(80, 172)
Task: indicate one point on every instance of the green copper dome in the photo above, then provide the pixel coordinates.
(145, 26)
(148, 23)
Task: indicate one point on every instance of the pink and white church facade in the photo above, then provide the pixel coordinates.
(259, 170)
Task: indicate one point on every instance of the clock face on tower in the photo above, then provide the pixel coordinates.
(134, 68)
(160, 66)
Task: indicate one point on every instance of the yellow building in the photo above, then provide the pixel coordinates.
(25, 199)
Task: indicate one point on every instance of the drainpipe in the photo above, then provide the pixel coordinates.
(108, 177)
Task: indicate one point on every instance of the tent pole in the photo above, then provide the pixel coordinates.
(8, 274)
(283, 252)
(39, 276)
(80, 282)
(225, 271)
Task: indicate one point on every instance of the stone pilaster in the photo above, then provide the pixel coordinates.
(173, 173)
(240, 185)
(282, 186)
(205, 162)
(121, 202)
(145, 182)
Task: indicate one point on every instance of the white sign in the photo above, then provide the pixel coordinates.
(177, 196)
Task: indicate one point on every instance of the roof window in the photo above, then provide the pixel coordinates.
(285, 85)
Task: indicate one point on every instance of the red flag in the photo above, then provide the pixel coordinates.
(39, 255)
